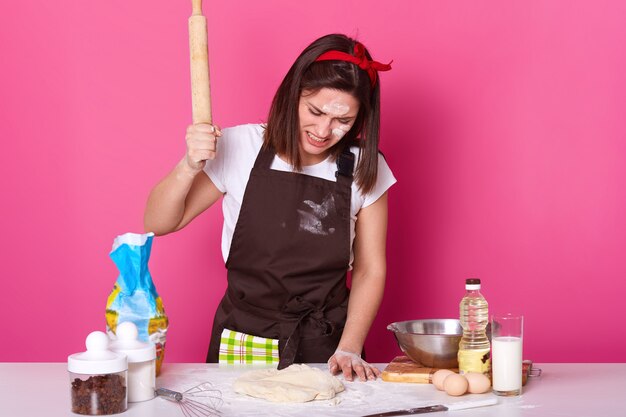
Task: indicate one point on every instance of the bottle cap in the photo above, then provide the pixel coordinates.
(472, 284)
(98, 359)
(128, 344)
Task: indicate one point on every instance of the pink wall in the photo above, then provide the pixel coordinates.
(503, 122)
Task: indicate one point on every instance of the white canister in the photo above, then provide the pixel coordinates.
(141, 362)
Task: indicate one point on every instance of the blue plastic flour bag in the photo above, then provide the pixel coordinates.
(134, 297)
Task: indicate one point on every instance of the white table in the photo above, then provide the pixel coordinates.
(574, 390)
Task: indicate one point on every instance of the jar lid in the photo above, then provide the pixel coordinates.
(98, 359)
(127, 343)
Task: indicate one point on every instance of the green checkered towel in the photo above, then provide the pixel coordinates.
(236, 347)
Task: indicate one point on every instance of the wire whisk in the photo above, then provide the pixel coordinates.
(192, 407)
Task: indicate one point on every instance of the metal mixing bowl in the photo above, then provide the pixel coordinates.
(433, 343)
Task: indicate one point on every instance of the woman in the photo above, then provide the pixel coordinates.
(300, 208)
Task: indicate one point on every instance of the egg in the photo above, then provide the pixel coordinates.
(439, 376)
(455, 384)
(478, 383)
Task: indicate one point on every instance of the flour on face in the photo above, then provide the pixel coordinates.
(340, 131)
(313, 215)
(336, 108)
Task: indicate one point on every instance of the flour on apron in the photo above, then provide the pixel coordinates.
(312, 217)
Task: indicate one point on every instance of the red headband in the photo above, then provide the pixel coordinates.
(359, 59)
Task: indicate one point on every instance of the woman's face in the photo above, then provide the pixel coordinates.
(325, 117)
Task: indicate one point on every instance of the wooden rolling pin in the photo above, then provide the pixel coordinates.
(199, 59)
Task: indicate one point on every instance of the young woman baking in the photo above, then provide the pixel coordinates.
(304, 201)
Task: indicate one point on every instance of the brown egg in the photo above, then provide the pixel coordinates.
(439, 376)
(455, 385)
(478, 383)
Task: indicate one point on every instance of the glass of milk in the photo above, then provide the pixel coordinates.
(506, 353)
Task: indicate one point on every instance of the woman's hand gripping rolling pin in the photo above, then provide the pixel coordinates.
(183, 194)
(201, 141)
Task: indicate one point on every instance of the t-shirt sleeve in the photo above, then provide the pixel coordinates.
(384, 181)
(237, 150)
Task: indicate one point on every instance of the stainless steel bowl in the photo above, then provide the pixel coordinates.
(433, 343)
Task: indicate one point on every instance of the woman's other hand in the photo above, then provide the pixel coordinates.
(350, 363)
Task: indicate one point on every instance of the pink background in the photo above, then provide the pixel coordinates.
(503, 122)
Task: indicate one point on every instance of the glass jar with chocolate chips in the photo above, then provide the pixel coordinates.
(98, 378)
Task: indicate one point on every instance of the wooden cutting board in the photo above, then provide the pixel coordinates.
(403, 369)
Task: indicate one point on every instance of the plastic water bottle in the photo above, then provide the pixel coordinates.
(474, 349)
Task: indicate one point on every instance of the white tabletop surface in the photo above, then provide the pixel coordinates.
(574, 390)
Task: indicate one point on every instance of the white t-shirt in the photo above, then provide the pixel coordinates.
(236, 153)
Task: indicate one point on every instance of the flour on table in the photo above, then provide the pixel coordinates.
(297, 384)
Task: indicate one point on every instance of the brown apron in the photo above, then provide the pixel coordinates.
(288, 262)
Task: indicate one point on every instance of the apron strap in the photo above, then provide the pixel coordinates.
(345, 163)
(345, 167)
(265, 157)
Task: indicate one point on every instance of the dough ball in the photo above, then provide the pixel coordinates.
(296, 383)
(455, 384)
(439, 376)
(478, 383)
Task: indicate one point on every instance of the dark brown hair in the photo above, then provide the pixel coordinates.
(283, 126)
